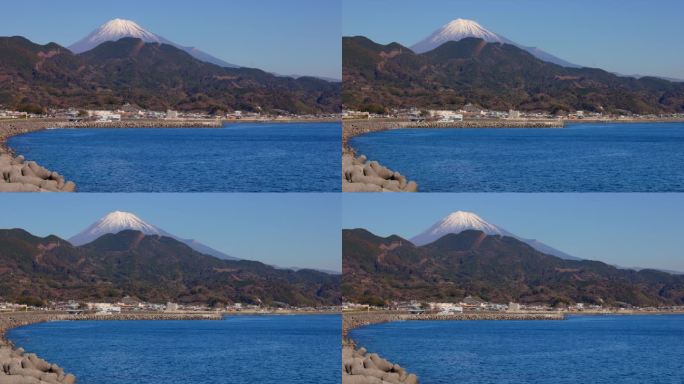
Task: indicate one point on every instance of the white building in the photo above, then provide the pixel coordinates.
(446, 115)
(446, 308)
(513, 307)
(104, 308)
(513, 114)
(105, 115)
(171, 307)
(171, 114)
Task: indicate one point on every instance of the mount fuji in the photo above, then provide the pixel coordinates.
(459, 29)
(118, 221)
(460, 221)
(117, 29)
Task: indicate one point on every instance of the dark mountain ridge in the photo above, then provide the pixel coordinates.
(153, 268)
(151, 75)
(494, 76)
(495, 268)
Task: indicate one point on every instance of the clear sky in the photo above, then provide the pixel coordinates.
(286, 37)
(300, 230)
(624, 36)
(630, 230)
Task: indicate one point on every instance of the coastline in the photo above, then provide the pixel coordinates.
(20, 175)
(362, 367)
(20, 367)
(361, 175)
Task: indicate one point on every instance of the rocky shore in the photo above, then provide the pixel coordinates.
(20, 367)
(361, 175)
(19, 175)
(362, 367)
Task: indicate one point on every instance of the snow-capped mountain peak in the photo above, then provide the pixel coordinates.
(117, 29)
(456, 30)
(460, 221)
(114, 30)
(460, 29)
(117, 221)
(457, 222)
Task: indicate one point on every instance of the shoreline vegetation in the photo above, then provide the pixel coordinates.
(20, 175)
(362, 367)
(20, 367)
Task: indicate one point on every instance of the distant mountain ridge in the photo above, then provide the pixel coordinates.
(491, 75)
(150, 75)
(151, 267)
(494, 268)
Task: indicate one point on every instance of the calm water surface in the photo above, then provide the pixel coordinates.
(236, 158)
(591, 349)
(237, 350)
(631, 157)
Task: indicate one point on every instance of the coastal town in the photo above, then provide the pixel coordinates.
(134, 113)
(473, 112)
(475, 305)
(133, 305)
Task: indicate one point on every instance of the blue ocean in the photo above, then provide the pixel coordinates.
(581, 349)
(627, 157)
(296, 157)
(296, 349)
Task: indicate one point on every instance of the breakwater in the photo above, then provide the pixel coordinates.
(20, 367)
(361, 175)
(19, 175)
(360, 366)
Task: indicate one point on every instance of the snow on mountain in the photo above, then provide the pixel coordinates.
(116, 29)
(118, 221)
(460, 221)
(459, 29)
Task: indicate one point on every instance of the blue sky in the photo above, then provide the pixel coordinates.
(640, 230)
(625, 36)
(286, 37)
(301, 230)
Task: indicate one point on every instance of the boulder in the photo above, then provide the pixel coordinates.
(18, 160)
(38, 170)
(69, 186)
(18, 187)
(26, 180)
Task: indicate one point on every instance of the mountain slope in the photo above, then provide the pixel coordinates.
(151, 75)
(117, 29)
(151, 267)
(460, 29)
(495, 268)
(117, 221)
(491, 75)
(460, 221)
